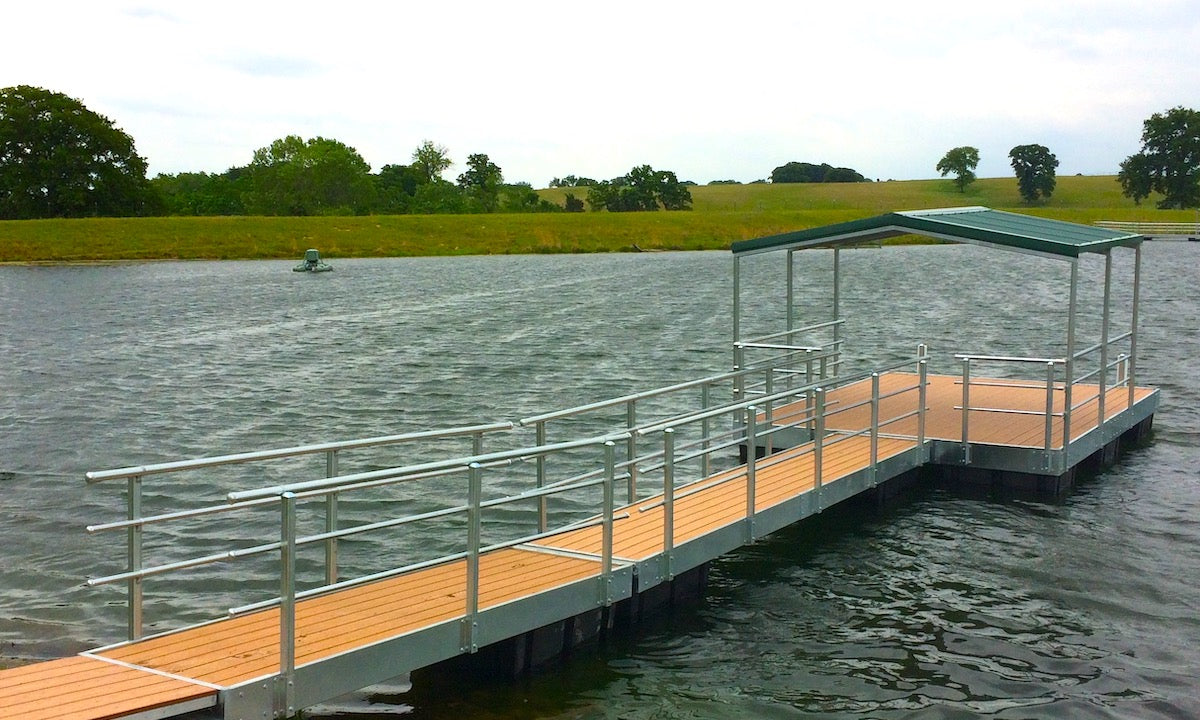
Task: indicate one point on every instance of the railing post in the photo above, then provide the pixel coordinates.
(1049, 437)
(705, 460)
(966, 411)
(1069, 368)
(874, 428)
(540, 440)
(922, 376)
(809, 396)
(133, 502)
(285, 706)
(669, 503)
(751, 462)
(739, 363)
(818, 447)
(769, 415)
(474, 527)
(606, 557)
(1131, 372)
(631, 449)
(331, 520)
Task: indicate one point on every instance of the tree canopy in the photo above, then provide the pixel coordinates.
(319, 176)
(431, 160)
(59, 159)
(1034, 166)
(644, 188)
(1169, 162)
(802, 172)
(961, 161)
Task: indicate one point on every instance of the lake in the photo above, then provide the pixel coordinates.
(939, 605)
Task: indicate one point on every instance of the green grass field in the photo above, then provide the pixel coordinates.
(722, 214)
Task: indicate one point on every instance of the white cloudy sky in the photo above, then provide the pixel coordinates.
(711, 90)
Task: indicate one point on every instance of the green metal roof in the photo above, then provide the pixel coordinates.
(976, 225)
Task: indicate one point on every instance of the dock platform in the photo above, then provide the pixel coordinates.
(795, 432)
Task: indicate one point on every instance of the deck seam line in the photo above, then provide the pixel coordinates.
(152, 671)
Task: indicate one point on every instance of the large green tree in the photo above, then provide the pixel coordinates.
(481, 182)
(320, 176)
(431, 160)
(59, 159)
(1169, 162)
(1034, 166)
(961, 161)
(803, 172)
(644, 188)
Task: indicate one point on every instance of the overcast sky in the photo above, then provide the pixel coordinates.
(711, 90)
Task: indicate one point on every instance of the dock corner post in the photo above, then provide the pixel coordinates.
(134, 538)
(837, 312)
(669, 504)
(874, 429)
(606, 557)
(285, 706)
(922, 400)
(631, 450)
(751, 462)
(818, 446)
(737, 305)
(331, 521)
(966, 411)
(540, 440)
(474, 527)
(1069, 372)
(1048, 438)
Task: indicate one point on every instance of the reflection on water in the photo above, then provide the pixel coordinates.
(939, 606)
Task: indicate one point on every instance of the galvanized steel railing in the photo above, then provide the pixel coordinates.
(695, 435)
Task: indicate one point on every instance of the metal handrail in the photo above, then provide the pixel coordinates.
(247, 457)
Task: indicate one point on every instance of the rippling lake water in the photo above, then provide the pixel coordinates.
(941, 605)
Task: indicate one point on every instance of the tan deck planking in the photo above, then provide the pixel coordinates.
(85, 688)
(233, 651)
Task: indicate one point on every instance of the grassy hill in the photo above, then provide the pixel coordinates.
(721, 215)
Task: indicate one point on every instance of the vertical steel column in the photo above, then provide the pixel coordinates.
(606, 557)
(1104, 340)
(966, 411)
(285, 706)
(669, 503)
(540, 440)
(818, 446)
(739, 362)
(705, 460)
(474, 531)
(751, 462)
(837, 314)
(331, 520)
(1131, 375)
(1069, 371)
(874, 428)
(631, 449)
(133, 501)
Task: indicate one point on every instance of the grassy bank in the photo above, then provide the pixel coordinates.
(721, 215)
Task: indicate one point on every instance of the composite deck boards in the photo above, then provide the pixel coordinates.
(153, 673)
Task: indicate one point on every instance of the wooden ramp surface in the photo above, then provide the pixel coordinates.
(189, 666)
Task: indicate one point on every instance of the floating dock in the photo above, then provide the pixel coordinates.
(790, 431)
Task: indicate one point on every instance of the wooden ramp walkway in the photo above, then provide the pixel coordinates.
(395, 625)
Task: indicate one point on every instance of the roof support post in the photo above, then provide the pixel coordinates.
(737, 298)
(791, 294)
(1131, 376)
(1069, 377)
(1104, 339)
